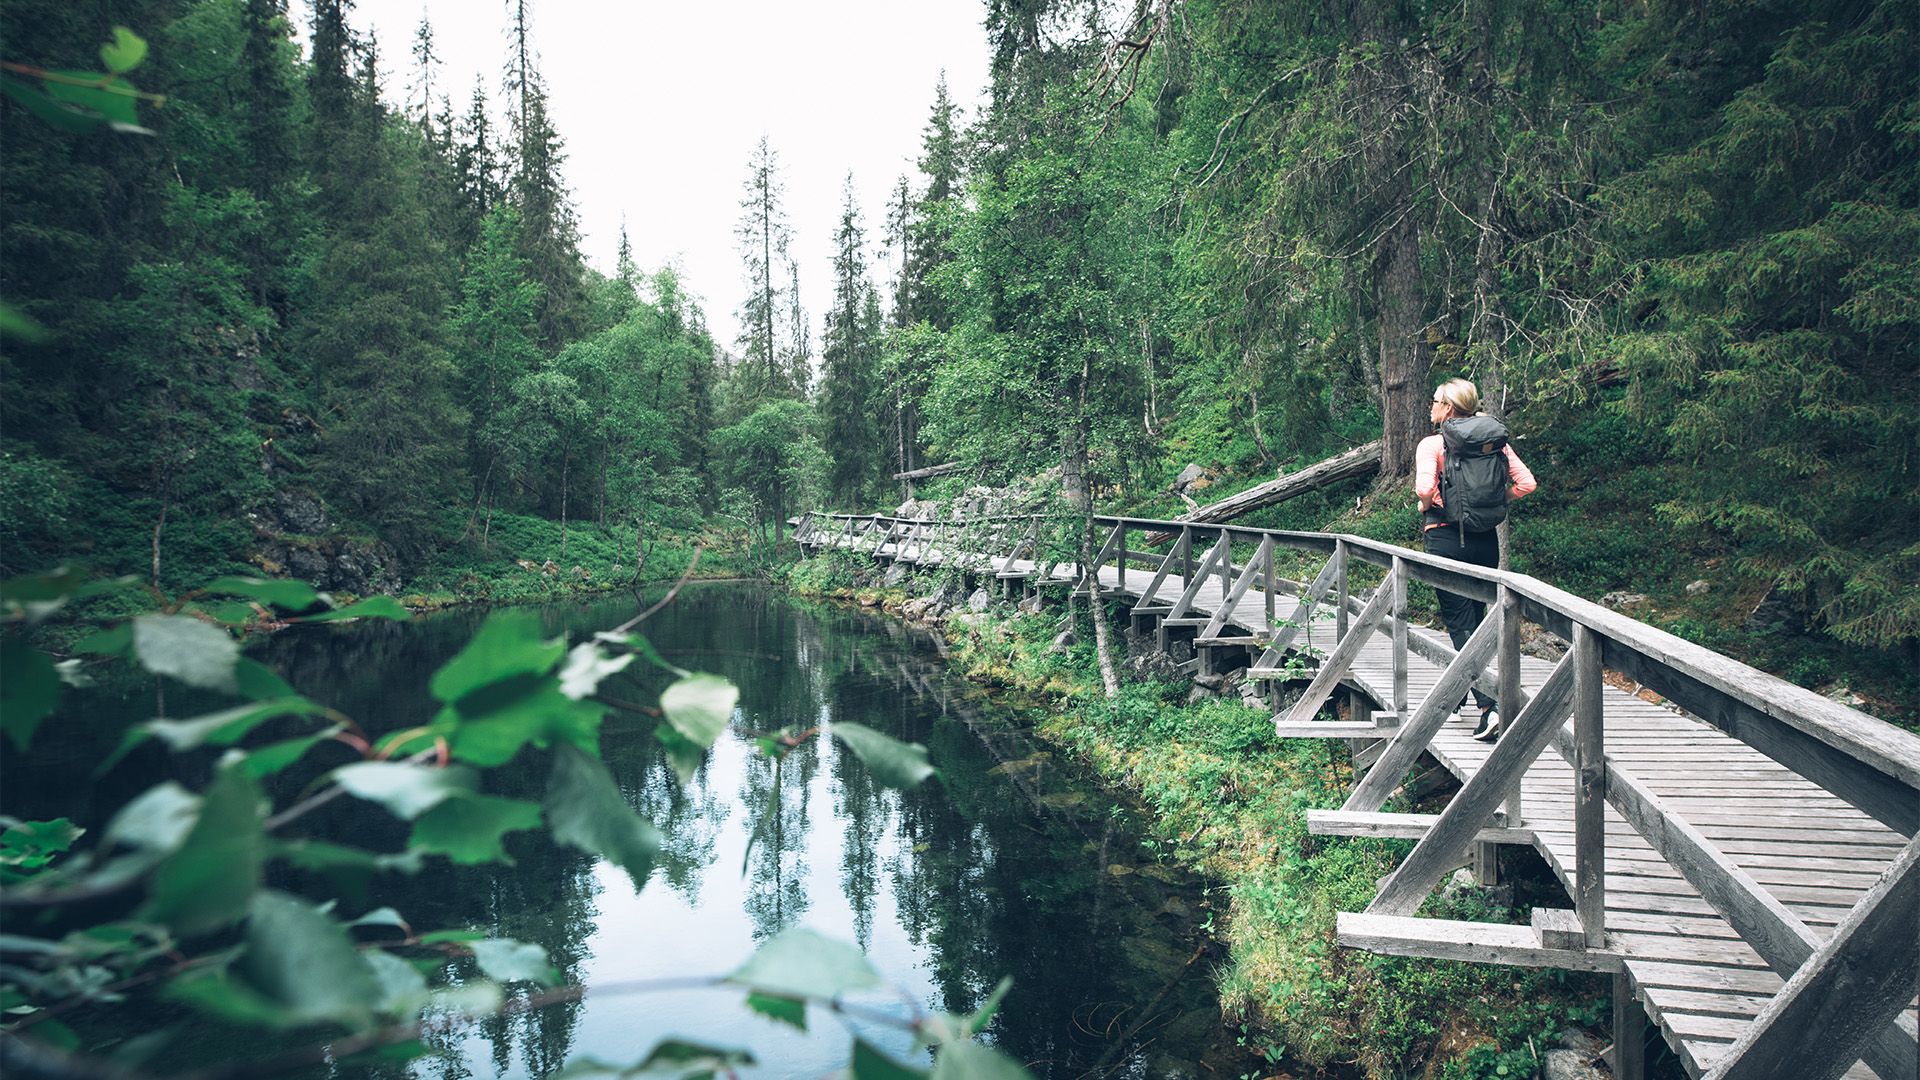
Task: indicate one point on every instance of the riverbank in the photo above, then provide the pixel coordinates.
(1228, 801)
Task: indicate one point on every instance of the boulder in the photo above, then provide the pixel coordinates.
(1621, 600)
(309, 565)
(896, 574)
(1211, 682)
(978, 600)
(301, 513)
(1199, 694)
(1189, 476)
(1571, 1065)
(1180, 651)
(1031, 605)
(1154, 665)
(1545, 644)
(1699, 588)
(1062, 642)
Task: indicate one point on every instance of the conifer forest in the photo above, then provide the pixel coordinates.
(292, 330)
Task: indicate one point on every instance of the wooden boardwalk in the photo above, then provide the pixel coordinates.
(1800, 859)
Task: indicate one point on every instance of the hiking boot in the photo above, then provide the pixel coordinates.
(1489, 728)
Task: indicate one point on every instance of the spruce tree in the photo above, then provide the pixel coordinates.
(763, 236)
(848, 390)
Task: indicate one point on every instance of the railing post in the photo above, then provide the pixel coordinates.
(1398, 583)
(1590, 786)
(1340, 570)
(1269, 585)
(1509, 684)
(1123, 557)
(1186, 555)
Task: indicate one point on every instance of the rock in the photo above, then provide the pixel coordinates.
(1570, 1065)
(1843, 694)
(1031, 605)
(1189, 476)
(581, 572)
(869, 600)
(550, 568)
(1252, 696)
(1542, 643)
(1699, 588)
(1621, 600)
(1211, 682)
(896, 574)
(349, 574)
(301, 513)
(971, 619)
(1199, 694)
(309, 565)
(1181, 651)
(979, 600)
(1774, 611)
(1063, 642)
(1154, 665)
(1459, 882)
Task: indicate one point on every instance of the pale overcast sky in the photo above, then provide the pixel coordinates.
(661, 104)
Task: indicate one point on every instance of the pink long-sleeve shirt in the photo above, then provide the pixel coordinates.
(1429, 459)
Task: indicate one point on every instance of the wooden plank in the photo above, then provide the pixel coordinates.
(1851, 990)
(1444, 847)
(1399, 826)
(1449, 939)
(1330, 729)
(1629, 1058)
(1303, 611)
(1261, 557)
(1397, 581)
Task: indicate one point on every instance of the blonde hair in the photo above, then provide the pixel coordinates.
(1460, 395)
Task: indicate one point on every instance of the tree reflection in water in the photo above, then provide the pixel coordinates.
(1001, 867)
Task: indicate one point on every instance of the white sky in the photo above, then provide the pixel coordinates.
(661, 104)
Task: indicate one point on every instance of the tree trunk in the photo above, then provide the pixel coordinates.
(1404, 357)
(158, 526)
(1073, 478)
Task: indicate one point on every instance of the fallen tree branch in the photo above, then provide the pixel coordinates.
(1360, 461)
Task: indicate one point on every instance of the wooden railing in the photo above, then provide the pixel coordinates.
(1852, 988)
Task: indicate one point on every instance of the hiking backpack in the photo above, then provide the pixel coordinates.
(1474, 480)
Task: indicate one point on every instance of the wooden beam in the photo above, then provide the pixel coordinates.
(1401, 827)
(1629, 1055)
(1848, 992)
(1590, 780)
(1360, 461)
(1160, 575)
(1414, 735)
(1335, 666)
(929, 472)
(1198, 578)
(1446, 846)
(1452, 939)
(1302, 611)
(1330, 729)
(1261, 557)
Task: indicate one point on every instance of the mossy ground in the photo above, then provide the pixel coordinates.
(1228, 801)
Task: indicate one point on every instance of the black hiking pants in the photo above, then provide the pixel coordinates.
(1462, 614)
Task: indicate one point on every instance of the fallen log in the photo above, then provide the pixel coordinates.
(928, 472)
(1359, 461)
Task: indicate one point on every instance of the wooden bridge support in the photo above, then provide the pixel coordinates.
(1688, 887)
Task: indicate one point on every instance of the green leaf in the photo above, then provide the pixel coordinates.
(218, 992)
(112, 641)
(209, 882)
(870, 1064)
(257, 682)
(385, 916)
(682, 753)
(894, 763)
(29, 689)
(110, 97)
(442, 937)
(266, 760)
(271, 592)
(679, 1054)
(643, 648)
(407, 791)
(373, 607)
(586, 665)
(787, 1010)
(467, 828)
(60, 114)
(508, 644)
(798, 962)
(508, 961)
(158, 819)
(699, 707)
(402, 988)
(488, 727)
(585, 809)
(30, 845)
(198, 654)
(972, 1061)
(301, 959)
(228, 726)
(124, 52)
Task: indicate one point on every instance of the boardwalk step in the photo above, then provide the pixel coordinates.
(1332, 729)
(1401, 826)
(1452, 939)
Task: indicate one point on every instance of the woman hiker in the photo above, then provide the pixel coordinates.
(1486, 473)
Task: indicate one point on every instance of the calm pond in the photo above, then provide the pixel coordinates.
(1010, 864)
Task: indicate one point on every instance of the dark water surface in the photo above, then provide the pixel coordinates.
(1008, 865)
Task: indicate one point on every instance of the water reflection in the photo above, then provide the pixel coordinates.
(1008, 865)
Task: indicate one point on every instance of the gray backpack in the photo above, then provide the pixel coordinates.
(1474, 481)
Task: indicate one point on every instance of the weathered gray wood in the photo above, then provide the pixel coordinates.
(1629, 1055)
(1400, 826)
(1303, 611)
(1360, 461)
(1508, 695)
(1160, 575)
(1779, 936)
(1446, 846)
(1339, 564)
(1263, 557)
(1417, 732)
(1341, 658)
(1449, 939)
(1328, 729)
(1848, 992)
(1398, 583)
(929, 472)
(1590, 768)
(1558, 928)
